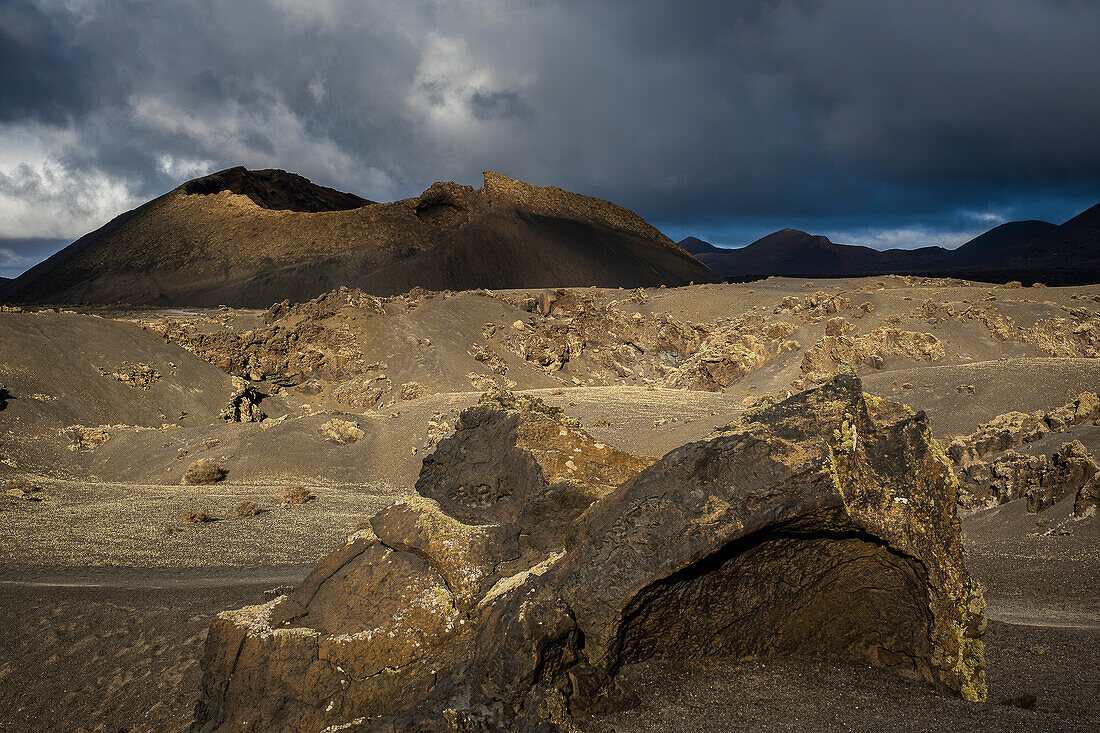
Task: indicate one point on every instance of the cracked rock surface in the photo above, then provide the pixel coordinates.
(538, 563)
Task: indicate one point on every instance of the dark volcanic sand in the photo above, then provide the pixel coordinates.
(110, 644)
(116, 649)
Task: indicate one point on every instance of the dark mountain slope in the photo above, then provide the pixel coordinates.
(696, 246)
(795, 253)
(251, 238)
(1029, 251)
(999, 243)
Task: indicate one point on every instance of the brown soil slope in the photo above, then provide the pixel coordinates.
(250, 238)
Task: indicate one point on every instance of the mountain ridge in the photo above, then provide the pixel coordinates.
(1029, 251)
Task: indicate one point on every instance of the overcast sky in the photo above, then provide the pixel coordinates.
(886, 122)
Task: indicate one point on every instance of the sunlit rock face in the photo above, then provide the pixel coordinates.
(538, 563)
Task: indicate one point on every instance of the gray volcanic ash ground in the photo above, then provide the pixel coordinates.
(116, 555)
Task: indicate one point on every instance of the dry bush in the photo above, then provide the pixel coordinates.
(248, 509)
(22, 488)
(197, 516)
(204, 471)
(82, 437)
(298, 495)
(341, 431)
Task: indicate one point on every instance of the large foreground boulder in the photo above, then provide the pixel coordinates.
(821, 526)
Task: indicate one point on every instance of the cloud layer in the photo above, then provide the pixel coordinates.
(892, 120)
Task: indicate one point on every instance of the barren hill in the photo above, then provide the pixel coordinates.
(249, 238)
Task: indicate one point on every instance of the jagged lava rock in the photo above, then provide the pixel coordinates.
(377, 618)
(823, 526)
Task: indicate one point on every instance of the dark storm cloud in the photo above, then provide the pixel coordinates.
(502, 104)
(17, 255)
(882, 119)
(43, 74)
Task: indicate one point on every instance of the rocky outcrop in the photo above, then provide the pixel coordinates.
(1042, 480)
(1013, 429)
(381, 616)
(244, 404)
(651, 349)
(836, 348)
(509, 595)
(513, 460)
(1088, 499)
(814, 308)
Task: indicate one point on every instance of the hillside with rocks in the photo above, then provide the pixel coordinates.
(162, 465)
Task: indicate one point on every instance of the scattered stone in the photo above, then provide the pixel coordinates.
(489, 358)
(21, 488)
(1025, 702)
(413, 391)
(83, 438)
(361, 394)
(138, 376)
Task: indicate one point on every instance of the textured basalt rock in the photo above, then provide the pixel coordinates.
(514, 460)
(244, 404)
(656, 348)
(1042, 480)
(1013, 429)
(820, 526)
(836, 349)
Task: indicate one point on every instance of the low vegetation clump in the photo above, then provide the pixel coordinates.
(197, 516)
(204, 471)
(248, 509)
(21, 488)
(84, 438)
(298, 495)
(341, 431)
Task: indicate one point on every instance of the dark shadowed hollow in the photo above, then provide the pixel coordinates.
(789, 593)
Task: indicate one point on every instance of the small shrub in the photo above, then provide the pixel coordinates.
(197, 516)
(341, 431)
(204, 471)
(298, 495)
(21, 488)
(248, 509)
